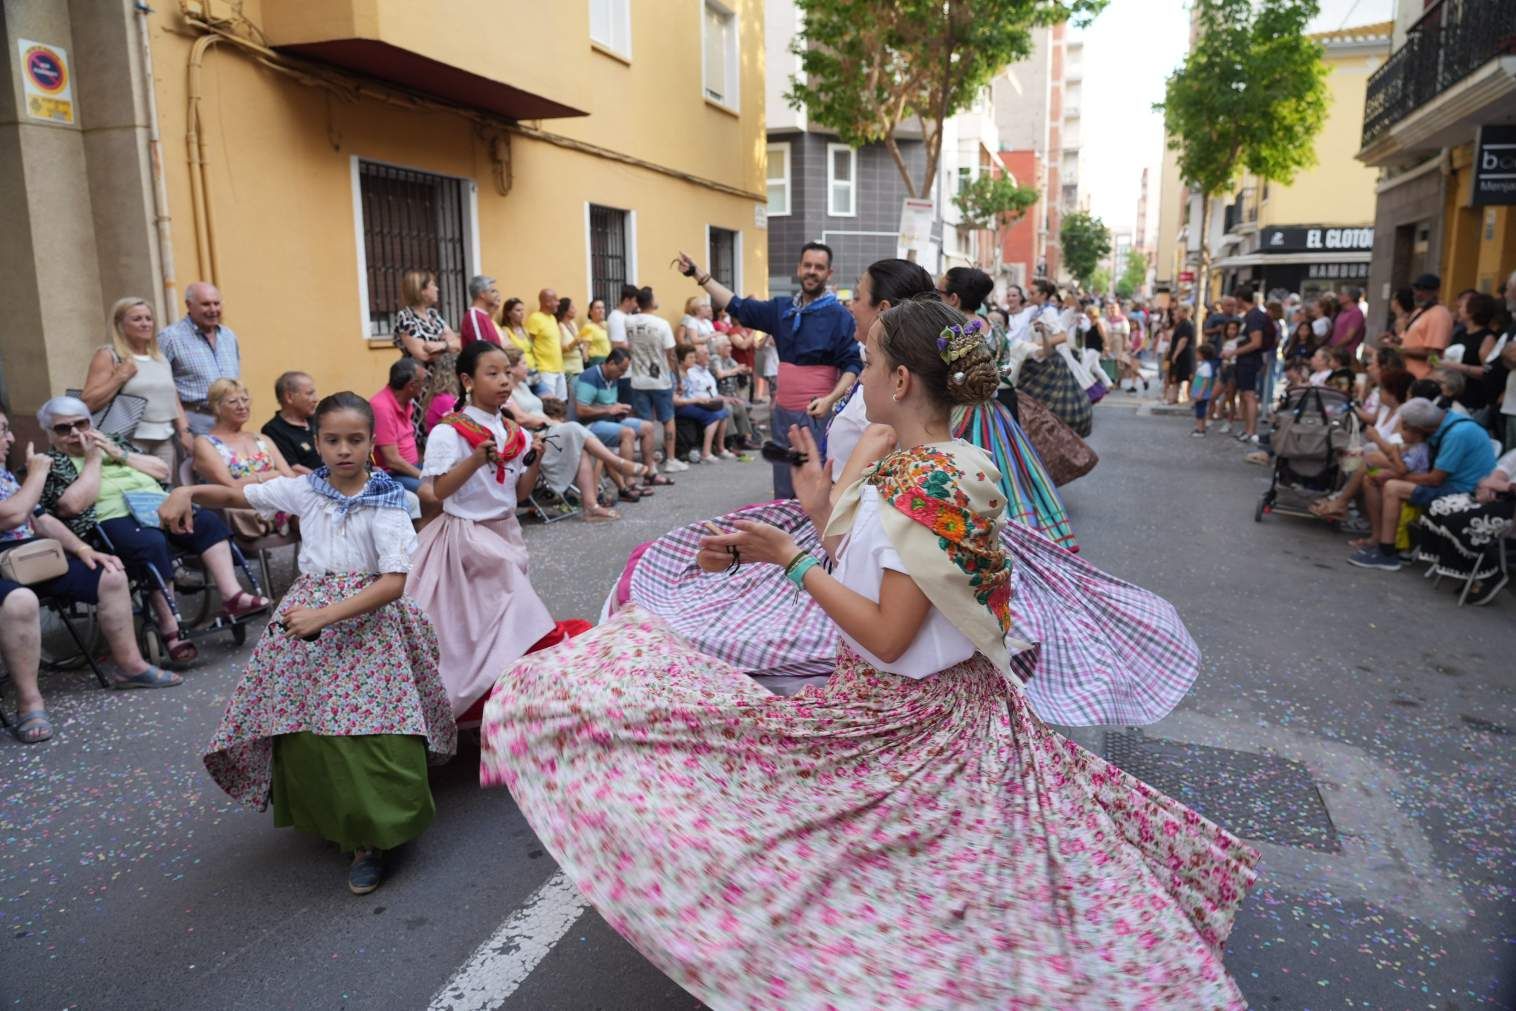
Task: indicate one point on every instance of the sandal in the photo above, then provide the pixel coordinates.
(180, 649)
(601, 516)
(34, 727)
(241, 604)
(1327, 509)
(150, 678)
(630, 495)
(658, 481)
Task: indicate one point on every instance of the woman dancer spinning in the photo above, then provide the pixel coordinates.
(471, 569)
(911, 835)
(340, 704)
(1109, 652)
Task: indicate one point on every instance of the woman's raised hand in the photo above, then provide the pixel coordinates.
(813, 485)
(755, 542)
(39, 460)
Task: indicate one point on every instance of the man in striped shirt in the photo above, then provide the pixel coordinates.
(200, 351)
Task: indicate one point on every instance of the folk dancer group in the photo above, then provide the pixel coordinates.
(908, 832)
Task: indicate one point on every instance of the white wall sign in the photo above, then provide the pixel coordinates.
(47, 84)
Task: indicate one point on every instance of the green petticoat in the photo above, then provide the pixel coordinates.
(364, 792)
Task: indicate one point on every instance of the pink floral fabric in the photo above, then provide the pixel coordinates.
(373, 674)
(877, 842)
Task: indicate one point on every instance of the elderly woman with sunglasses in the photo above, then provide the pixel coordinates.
(88, 488)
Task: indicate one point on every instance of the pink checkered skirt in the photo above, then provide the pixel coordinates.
(1110, 653)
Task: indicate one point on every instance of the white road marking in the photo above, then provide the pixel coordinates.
(501, 963)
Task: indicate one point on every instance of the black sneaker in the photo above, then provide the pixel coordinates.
(366, 873)
(1373, 558)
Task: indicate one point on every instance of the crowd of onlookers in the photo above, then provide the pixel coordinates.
(621, 399)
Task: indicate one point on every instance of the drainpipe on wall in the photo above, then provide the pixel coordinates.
(205, 231)
(160, 186)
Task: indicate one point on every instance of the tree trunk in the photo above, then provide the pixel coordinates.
(1203, 274)
(905, 173)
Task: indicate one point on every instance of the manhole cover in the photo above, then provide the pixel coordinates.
(1256, 796)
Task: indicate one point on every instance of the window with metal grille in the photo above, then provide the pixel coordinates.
(413, 221)
(723, 257)
(609, 256)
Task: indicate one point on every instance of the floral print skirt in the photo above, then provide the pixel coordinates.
(877, 842)
(373, 674)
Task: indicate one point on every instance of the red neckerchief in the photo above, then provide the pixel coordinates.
(474, 433)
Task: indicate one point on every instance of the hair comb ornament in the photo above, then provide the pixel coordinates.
(958, 340)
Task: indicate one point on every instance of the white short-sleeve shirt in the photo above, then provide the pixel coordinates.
(331, 543)
(866, 553)
(847, 427)
(481, 497)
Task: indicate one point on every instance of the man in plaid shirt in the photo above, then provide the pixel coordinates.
(200, 350)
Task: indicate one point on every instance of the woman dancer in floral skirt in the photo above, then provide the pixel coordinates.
(910, 835)
(1109, 652)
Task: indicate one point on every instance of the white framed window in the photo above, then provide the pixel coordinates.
(723, 251)
(965, 177)
(779, 180)
(718, 43)
(611, 25)
(404, 220)
(841, 181)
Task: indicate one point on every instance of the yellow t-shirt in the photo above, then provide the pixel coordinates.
(524, 343)
(600, 341)
(547, 341)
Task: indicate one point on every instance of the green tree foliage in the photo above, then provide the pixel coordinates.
(870, 66)
(1251, 95)
(993, 202)
(1085, 241)
(1100, 281)
(1132, 276)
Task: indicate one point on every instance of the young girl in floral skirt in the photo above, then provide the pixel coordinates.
(472, 563)
(340, 707)
(911, 834)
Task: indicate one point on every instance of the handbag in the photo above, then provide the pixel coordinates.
(1065, 456)
(34, 562)
(121, 416)
(143, 505)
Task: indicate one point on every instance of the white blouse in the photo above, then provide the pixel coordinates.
(481, 497)
(364, 540)
(842, 437)
(866, 553)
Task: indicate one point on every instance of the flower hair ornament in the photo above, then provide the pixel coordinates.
(958, 340)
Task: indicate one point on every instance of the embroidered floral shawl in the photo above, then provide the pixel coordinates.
(944, 520)
(473, 433)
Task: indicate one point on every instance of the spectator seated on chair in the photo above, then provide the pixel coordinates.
(92, 578)
(611, 421)
(290, 429)
(88, 486)
(227, 455)
(571, 454)
(732, 382)
(1460, 457)
(696, 399)
(1461, 534)
(394, 408)
(1386, 440)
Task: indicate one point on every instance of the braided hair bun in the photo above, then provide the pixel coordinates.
(947, 350)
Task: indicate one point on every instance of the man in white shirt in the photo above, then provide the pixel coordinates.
(650, 340)
(615, 322)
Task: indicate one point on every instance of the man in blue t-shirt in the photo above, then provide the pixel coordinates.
(814, 335)
(610, 421)
(1461, 457)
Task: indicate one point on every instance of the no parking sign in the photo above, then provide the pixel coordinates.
(46, 83)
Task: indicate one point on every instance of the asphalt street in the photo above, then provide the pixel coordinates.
(1356, 725)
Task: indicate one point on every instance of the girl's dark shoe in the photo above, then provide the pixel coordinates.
(366, 873)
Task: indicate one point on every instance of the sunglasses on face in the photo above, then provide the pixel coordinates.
(65, 427)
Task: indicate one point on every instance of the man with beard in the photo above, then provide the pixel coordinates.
(814, 335)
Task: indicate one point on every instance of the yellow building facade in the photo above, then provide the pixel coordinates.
(1315, 233)
(302, 154)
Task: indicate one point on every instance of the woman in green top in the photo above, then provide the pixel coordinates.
(87, 489)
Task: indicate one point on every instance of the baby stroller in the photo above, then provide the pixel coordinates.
(1313, 430)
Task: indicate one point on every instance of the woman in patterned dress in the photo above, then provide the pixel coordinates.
(421, 333)
(910, 835)
(340, 707)
(1110, 652)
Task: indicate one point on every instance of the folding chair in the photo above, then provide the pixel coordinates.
(67, 612)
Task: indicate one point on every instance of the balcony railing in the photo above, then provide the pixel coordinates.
(1453, 39)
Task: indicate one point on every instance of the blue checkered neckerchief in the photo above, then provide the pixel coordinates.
(797, 312)
(381, 492)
